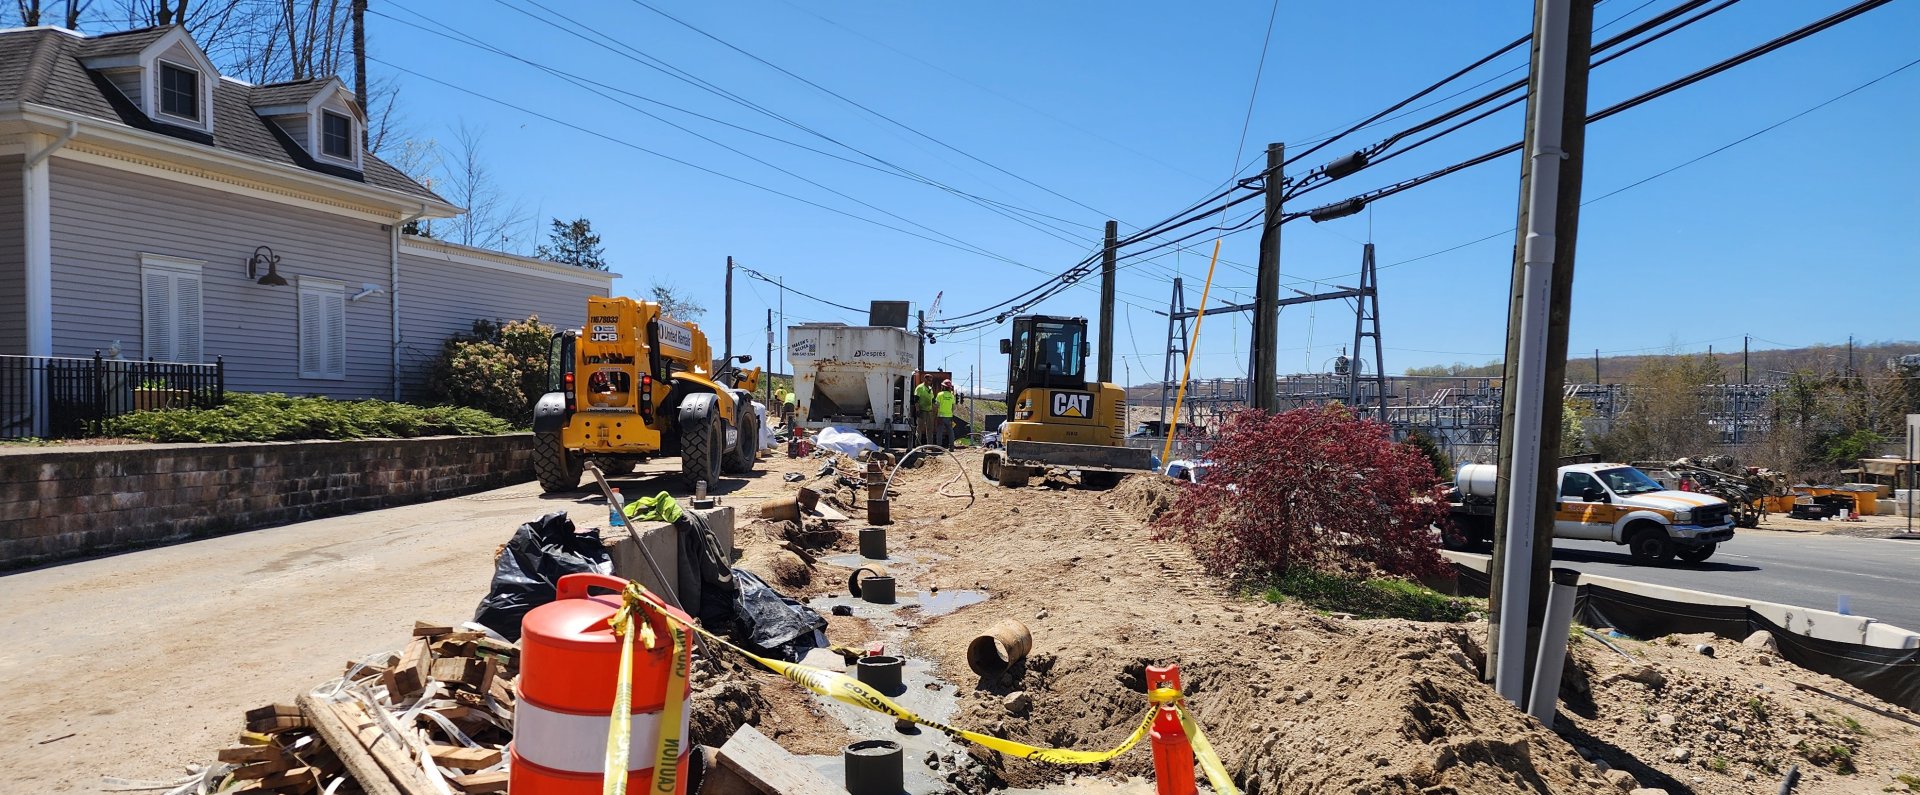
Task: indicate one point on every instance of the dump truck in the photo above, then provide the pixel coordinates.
(854, 377)
(1060, 420)
(1604, 502)
(636, 384)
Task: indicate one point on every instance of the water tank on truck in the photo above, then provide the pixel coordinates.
(854, 377)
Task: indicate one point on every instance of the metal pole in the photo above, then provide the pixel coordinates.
(1107, 254)
(1266, 300)
(1743, 360)
(1536, 335)
(767, 392)
(1174, 306)
(728, 345)
(921, 363)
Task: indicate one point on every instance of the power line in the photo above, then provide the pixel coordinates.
(1632, 102)
(1669, 170)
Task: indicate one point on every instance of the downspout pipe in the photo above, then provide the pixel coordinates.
(36, 194)
(393, 291)
(1522, 483)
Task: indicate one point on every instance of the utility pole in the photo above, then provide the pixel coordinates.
(921, 363)
(1107, 255)
(1849, 355)
(1743, 360)
(1266, 298)
(767, 390)
(1536, 355)
(359, 68)
(728, 346)
(781, 329)
(1596, 366)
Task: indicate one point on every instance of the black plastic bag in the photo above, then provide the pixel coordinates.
(524, 576)
(770, 624)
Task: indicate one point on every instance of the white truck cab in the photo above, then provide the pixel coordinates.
(1608, 502)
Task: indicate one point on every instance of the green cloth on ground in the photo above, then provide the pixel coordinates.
(661, 507)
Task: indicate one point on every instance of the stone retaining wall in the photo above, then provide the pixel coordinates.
(76, 500)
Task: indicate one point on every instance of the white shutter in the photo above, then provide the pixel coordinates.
(312, 335)
(170, 309)
(335, 306)
(186, 318)
(157, 308)
(323, 329)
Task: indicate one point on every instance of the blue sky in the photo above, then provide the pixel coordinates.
(1132, 110)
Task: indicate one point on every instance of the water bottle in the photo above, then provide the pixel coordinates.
(616, 516)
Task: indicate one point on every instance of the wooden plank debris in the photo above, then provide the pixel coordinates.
(750, 759)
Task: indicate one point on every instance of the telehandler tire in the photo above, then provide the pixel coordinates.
(700, 443)
(744, 452)
(557, 469)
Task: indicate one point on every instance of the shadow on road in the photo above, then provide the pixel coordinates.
(1623, 559)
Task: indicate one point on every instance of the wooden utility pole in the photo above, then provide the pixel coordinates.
(1107, 255)
(727, 346)
(1536, 354)
(768, 389)
(1266, 298)
(1744, 340)
(360, 72)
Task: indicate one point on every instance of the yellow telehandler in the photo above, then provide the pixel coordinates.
(635, 384)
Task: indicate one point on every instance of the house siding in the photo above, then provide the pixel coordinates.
(104, 219)
(13, 258)
(441, 298)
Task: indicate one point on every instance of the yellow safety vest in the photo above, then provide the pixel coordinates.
(945, 400)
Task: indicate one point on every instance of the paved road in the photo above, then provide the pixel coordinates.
(135, 664)
(1881, 578)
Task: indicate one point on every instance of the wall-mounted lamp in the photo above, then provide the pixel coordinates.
(367, 290)
(265, 256)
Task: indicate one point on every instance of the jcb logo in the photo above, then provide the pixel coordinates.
(1078, 405)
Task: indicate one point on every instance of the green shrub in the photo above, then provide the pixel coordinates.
(1369, 597)
(501, 368)
(275, 417)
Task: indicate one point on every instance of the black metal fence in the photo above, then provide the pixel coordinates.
(51, 397)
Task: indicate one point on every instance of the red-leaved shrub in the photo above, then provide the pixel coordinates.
(1313, 488)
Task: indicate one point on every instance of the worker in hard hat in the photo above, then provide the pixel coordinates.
(923, 411)
(943, 404)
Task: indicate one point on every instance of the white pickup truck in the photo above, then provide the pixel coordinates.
(1606, 502)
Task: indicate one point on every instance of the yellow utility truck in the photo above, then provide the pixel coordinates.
(1058, 419)
(636, 384)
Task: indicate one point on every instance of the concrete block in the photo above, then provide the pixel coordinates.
(661, 541)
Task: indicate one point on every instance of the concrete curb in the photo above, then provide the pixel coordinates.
(1822, 624)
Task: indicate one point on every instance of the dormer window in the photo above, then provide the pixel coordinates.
(336, 135)
(179, 92)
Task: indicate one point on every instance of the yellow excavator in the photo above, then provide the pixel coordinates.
(635, 384)
(1059, 420)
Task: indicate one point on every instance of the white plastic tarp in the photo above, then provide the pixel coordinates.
(767, 442)
(843, 441)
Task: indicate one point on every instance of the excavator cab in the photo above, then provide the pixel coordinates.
(1046, 352)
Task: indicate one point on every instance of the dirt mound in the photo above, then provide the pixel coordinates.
(1713, 724)
(1145, 497)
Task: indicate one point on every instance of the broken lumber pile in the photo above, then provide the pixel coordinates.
(440, 710)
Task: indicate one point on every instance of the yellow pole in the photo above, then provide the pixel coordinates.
(1199, 316)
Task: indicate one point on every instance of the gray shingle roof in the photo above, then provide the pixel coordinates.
(43, 67)
(291, 93)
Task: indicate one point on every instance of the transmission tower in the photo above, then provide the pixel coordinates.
(1366, 324)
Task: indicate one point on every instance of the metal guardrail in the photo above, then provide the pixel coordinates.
(51, 397)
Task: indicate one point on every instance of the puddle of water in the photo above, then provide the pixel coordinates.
(944, 602)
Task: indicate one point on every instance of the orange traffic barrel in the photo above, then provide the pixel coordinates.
(569, 666)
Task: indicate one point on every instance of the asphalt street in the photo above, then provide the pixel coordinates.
(1879, 577)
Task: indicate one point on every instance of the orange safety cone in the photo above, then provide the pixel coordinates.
(569, 666)
(1172, 752)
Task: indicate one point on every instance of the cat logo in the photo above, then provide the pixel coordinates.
(1078, 405)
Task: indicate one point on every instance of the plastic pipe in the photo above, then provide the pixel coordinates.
(874, 768)
(1545, 694)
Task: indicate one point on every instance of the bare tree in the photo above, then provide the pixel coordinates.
(493, 218)
(29, 12)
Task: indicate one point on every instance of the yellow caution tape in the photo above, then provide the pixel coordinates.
(848, 690)
(666, 756)
(1203, 755)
